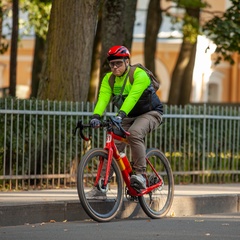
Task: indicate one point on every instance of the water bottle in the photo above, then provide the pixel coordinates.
(126, 162)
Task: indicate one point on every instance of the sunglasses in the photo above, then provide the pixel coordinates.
(117, 64)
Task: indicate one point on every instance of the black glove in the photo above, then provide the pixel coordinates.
(120, 116)
(95, 121)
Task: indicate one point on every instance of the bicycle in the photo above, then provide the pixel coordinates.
(155, 200)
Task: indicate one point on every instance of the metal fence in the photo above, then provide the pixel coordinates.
(38, 147)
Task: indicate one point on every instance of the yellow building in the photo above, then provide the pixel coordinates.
(24, 68)
(210, 83)
(218, 84)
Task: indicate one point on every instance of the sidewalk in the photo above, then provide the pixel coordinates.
(63, 204)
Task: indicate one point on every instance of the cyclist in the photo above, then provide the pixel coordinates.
(141, 110)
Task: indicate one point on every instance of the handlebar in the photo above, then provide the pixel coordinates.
(81, 126)
(109, 124)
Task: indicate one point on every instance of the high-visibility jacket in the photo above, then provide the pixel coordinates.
(139, 97)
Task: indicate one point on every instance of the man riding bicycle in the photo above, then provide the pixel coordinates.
(139, 113)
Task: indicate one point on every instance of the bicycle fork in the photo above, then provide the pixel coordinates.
(103, 172)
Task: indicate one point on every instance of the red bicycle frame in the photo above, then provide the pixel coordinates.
(113, 152)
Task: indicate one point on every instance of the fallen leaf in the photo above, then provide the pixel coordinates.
(172, 214)
(199, 220)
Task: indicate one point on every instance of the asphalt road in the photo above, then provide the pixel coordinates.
(214, 226)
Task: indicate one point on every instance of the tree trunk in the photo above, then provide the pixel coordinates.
(181, 81)
(154, 21)
(125, 23)
(94, 80)
(67, 66)
(129, 20)
(112, 29)
(186, 86)
(14, 46)
(179, 73)
(37, 64)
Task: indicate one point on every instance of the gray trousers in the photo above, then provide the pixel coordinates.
(139, 127)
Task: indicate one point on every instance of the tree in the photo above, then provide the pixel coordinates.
(154, 21)
(126, 21)
(38, 59)
(38, 19)
(117, 27)
(14, 46)
(112, 29)
(66, 70)
(224, 31)
(181, 81)
(95, 66)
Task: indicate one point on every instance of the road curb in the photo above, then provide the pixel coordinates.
(58, 211)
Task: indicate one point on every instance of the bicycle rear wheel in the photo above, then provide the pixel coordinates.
(157, 203)
(105, 208)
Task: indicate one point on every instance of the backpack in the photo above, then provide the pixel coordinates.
(155, 82)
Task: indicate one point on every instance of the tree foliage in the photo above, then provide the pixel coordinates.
(190, 26)
(224, 31)
(5, 9)
(38, 19)
(38, 16)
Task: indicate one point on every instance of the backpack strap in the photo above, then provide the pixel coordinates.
(131, 72)
(111, 79)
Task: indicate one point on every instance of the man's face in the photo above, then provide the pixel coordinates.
(118, 66)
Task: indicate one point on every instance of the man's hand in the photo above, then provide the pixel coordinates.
(120, 116)
(118, 119)
(95, 121)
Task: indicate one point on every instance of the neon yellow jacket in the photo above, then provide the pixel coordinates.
(132, 91)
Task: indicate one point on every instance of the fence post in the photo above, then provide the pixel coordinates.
(204, 142)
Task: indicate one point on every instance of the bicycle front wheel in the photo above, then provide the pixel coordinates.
(157, 203)
(101, 204)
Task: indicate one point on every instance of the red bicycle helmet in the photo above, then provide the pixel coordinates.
(117, 52)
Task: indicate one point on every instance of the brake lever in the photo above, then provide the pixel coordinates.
(80, 126)
(119, 126)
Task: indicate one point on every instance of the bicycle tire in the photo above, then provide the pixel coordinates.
(157, 203)
(99, 210)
